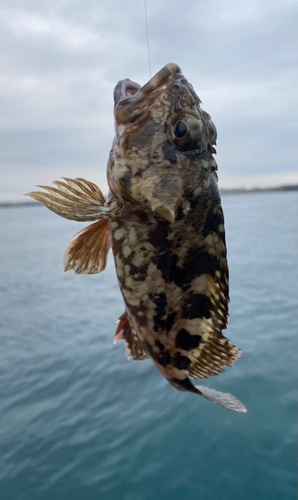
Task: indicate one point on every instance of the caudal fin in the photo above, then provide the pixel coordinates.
(222, 399)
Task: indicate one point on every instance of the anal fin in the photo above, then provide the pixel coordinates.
(134, 346)
(88, 250)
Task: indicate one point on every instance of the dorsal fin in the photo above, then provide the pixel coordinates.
(211, 356)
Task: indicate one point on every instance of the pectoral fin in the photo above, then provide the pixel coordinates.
(88, 250)
(74, 199)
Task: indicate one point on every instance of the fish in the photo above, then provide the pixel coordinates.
(164, 222)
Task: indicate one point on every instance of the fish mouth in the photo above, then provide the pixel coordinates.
(131, 100)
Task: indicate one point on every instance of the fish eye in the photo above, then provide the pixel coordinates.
(186, 132)
(181, 130)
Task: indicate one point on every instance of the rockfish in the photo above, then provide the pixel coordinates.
(164, 222)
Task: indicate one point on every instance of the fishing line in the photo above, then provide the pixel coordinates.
(147, 33)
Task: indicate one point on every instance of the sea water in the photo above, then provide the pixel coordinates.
(78, 421)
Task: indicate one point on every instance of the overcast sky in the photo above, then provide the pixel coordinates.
(60, 60)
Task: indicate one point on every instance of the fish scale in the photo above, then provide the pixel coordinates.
(164, 222)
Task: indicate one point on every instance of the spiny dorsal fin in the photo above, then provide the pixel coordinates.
(74, 199)
(88, 250)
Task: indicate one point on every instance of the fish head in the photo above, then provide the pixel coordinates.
(162, 135)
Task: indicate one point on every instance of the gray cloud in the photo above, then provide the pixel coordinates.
(61, 59)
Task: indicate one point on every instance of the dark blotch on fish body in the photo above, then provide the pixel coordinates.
(186, 341)
(138, 273)
(170, 152)
(170, 321)
(158, 238)
(182, 385)
(181, 362)
(143, 136)
(159, 345)
(142, 320)
(196, 263)
(163, 357)
(161, 307)
(126, 181)
(198, 306)
(212, 223)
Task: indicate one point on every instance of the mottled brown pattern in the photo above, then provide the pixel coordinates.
(167, 227)
(178, 303)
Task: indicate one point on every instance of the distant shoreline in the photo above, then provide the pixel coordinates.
(223, 191)
(290, 187)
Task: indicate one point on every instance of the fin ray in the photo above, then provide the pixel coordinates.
(88, 250)
(211, 355)
(134, 346)
(84, 186)
(223, 399)
(75, 199)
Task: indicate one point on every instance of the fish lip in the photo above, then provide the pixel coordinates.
(130, 109)
(124, 90)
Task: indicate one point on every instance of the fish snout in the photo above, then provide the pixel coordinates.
(136, 102)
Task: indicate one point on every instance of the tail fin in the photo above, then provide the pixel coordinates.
(222, 399)
(219, 398)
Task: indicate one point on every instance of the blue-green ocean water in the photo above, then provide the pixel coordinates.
(80, 422)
